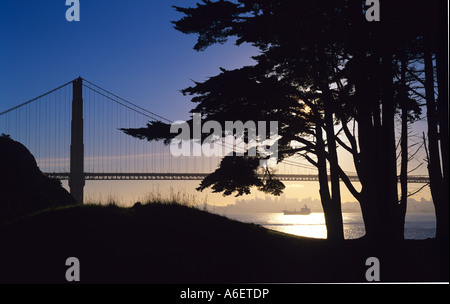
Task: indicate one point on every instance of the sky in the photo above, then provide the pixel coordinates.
(127, 47)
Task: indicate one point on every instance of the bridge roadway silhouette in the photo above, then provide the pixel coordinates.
(200, 176)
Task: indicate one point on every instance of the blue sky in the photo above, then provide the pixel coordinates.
(127, 47)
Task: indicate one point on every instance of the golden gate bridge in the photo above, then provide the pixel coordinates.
(74, 133)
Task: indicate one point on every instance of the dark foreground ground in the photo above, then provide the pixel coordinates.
(162, 243)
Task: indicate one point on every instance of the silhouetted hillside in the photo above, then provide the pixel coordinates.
(23, 187)
(169, 243)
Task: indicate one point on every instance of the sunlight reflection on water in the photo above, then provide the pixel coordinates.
(312, 225)
(417, 225)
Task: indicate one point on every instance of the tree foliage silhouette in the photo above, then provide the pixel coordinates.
(322, 65)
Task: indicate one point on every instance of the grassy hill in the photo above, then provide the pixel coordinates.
(170, 243)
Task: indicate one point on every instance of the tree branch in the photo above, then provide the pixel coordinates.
(344, 145)
(349, 184)
(309, 159)
(417, 191)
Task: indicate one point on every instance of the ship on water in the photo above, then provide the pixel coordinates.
(304, 211)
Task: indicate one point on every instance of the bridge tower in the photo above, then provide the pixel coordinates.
(76, 177)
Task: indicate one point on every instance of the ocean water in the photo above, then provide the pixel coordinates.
(417, 226)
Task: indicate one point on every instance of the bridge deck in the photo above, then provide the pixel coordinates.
(201, 176)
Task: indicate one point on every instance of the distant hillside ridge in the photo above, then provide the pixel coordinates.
(24, 189)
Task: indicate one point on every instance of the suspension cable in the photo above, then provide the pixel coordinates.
(128, 102)
(34, 99)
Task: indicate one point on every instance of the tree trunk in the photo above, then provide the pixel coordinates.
(333, 219)
(334, 207)
(335, 204)
(387, 157)
(442, 115)
(404, 148)
(366, 136)
(376, 128)
(434, 163)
